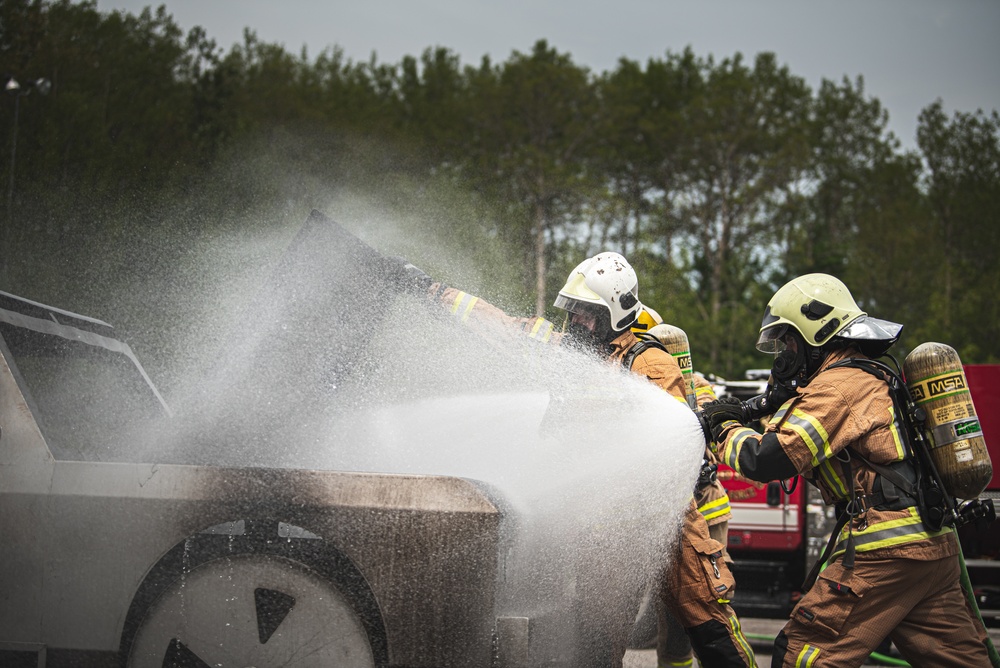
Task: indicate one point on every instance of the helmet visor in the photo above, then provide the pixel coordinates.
(771, 339)
(574, 305)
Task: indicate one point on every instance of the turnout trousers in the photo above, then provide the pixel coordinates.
(696, 589)
(673, 647)
(847, 613)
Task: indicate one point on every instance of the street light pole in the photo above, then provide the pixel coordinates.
(12, 87)
(13, 152)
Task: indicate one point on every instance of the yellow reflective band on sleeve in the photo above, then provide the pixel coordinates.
(462, 305)
(812, 434)
(703, 390)
(734, 623)
(542, 330)
(807, 657)
(679, 664)
(782, 412)
(815, 437)
(778, 416)
(731, 453)
(886, 534)
(716, 508)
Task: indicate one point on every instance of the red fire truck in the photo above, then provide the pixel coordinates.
(779, 529)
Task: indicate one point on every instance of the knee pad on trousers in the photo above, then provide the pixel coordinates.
(713, 645)
(780, 649)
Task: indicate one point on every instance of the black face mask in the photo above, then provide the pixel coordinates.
(794, 365)
(578, 336)
(798, 366)
(786, 377)
(788, 365)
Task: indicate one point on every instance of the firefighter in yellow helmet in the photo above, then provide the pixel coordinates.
(713, 501)
(673, 647)
(887, 573)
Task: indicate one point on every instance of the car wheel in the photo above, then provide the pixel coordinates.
(245, 600)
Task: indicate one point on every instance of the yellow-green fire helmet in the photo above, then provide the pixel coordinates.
(818, 306)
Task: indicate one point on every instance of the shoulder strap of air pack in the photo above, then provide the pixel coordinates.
(645, 342)
(897, 388)
(901, 403)
(877, 368)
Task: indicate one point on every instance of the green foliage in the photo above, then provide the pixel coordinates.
(533, 122)
(719, 180)
(963, 191)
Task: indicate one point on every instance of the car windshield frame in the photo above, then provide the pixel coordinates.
(51, 352)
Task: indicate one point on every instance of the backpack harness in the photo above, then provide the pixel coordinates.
(912, 481)
(645, 342)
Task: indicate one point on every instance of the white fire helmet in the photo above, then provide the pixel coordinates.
(606, 280)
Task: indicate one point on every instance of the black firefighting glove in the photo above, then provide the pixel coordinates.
(409, 277)
(721, 411)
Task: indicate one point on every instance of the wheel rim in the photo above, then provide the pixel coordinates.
(251, 611)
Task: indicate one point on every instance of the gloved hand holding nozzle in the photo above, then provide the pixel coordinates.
(715, 414)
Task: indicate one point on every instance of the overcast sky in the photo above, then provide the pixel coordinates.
(910, 52)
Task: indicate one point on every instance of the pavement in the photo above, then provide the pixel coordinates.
(646, 658)
(752, 627)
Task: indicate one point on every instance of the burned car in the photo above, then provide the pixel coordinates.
(135, 536)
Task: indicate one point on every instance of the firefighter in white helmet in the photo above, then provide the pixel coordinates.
(601, 300)
(601, 297)
(888, 571)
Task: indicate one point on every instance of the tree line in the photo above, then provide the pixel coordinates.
(719, 179)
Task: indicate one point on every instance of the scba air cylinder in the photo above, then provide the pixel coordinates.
(936, 381)
(675, 340)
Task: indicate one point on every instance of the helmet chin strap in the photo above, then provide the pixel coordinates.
(817, 355)
(814, 360)
(603, 337)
